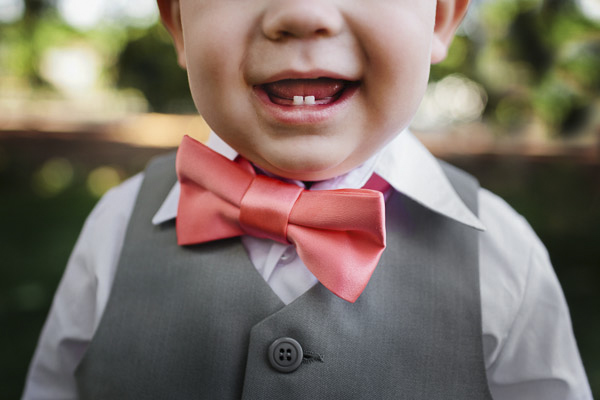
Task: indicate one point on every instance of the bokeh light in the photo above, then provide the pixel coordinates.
(101, 179)
(140, 13)
(90, 13)
(590, 8)
(53, 177)
(73, 69)
(454, 99)
(11, 10)
(81, 14)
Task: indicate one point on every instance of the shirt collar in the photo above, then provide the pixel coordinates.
(404, 163)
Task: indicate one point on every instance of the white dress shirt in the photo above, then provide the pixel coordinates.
(529, 347)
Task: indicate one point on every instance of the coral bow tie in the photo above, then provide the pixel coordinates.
(338, 234)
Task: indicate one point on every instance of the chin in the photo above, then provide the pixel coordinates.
(306, 169)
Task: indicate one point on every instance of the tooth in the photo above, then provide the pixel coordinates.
(298, 100)
(309, 100)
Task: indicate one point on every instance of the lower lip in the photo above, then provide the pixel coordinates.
(305, 114)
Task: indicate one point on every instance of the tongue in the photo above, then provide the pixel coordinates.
(320, 88)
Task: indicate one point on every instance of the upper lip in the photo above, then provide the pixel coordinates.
(312, 74)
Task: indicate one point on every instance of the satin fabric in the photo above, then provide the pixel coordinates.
(338, 234)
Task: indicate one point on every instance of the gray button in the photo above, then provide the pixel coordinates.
(285, 354)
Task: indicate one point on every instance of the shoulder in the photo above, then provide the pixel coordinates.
(118, 203)
(511, 255)
(82, 294)
(508, 236)
(113, 210)
(118, 200)
(101, 239)
(528, 340)
(94, 259)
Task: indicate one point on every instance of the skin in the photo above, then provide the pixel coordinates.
(231, 48)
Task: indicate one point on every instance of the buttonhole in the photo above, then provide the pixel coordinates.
(310, 357)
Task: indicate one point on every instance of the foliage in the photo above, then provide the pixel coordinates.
(537, 60)
(148, 63)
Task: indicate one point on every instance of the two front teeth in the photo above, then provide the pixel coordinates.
(304, 100)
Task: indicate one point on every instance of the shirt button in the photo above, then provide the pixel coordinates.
(285, 354)
(288, 255)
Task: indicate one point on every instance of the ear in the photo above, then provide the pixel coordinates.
(170, 14)
(448, 16)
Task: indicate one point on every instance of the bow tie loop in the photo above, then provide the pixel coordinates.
(196, 169)
(364, 212)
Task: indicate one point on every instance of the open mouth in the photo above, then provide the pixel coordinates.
(306, 92)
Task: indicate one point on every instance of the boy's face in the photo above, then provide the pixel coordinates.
(366, 62)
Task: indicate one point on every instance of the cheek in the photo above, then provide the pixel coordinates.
(205, 67)
(214, 51)
(398, 56)
(403, 48)
(216, 85)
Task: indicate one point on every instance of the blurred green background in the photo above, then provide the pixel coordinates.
(516, 103)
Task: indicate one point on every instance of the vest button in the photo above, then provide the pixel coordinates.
(285, 354)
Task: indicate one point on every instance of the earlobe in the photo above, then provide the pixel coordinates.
(439, 50)
(449, 14)
(170, 13)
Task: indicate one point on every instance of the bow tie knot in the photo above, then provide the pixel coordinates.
(338, 234)
(266, 206)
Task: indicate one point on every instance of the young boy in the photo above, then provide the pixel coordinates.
(315, 94)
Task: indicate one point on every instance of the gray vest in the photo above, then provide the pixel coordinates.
(199, 322)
